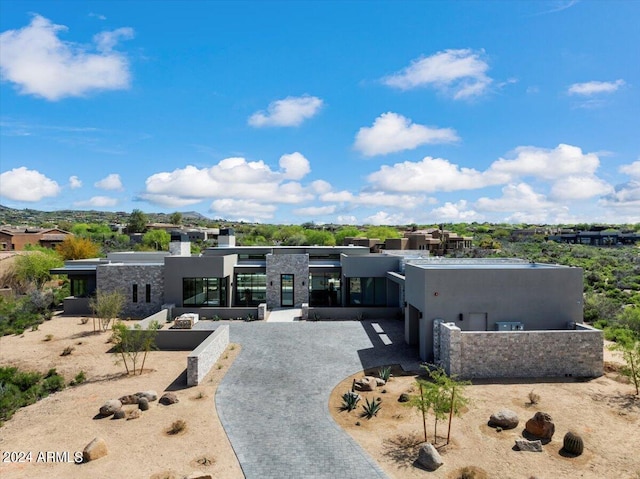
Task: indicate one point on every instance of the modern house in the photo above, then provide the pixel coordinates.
(345, 282)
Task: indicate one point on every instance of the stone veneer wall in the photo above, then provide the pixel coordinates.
(296, 264)
(201, 360)
(520, 354)
(119, 277)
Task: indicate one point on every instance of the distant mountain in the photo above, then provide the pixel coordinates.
(31, 217)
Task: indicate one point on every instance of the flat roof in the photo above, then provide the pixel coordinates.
(482, 264)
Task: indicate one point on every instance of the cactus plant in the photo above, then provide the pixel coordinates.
(371, 408)
(572, 443)
(349, 401)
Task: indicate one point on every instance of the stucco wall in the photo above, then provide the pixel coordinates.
(120, 277)
(540, 297)
(521, 354)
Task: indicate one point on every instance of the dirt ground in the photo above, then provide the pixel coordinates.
(65, 421)
(604, 411)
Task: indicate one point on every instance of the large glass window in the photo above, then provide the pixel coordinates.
(367, 292)
(80, 287)
(204, 291)
(324, 289)
(251, 289)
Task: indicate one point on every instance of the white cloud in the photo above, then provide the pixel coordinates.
(548, 164)
(291, 111)
(346, 220)
(168, 201)
(595, 87)
(579, 188)
(458, 211)
(242, 209)
(98, 202)
(632, 169)
(337, 196)
(234, 178)
(380, 198)
(384, 218)
(520, 197)
(295, 166)
(74, 182)
(392, 132)
(315, 210)
(110, 182)
(460, 73)
(432, 174)
(40, 64)
(320, 186)
(22, 184)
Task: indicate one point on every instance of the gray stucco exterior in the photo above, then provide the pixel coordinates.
(477, 296)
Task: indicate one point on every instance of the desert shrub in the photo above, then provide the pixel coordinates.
(371, 408)
(78, 379)
(471, 472)
(21, 388)
(619, 335)
(67, 351)
(48, 337)
(177, 427)
(534, 398)
(84, 320)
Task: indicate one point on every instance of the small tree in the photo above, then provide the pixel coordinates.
(176, 218)
(157, 239)
(107, 305)
(631, 354)
(129, 343)
(137, 222)
(34, 267)
(74, 247)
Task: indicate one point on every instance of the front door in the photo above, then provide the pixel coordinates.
(286, 290)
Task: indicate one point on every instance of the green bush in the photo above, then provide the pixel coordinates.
(619, 335)
(21, 388)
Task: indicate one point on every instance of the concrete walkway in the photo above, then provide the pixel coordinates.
(284, 315)
(273, 401)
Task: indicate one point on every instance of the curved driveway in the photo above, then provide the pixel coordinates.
(273, 401)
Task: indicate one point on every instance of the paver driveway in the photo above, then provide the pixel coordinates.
(273, 401)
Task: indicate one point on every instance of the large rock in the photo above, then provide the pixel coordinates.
(429, 457)
(149, 395)
(119, 414)
(135, 414)
(505, 418)
(129, 399)
(529, 446)
(111, 406)
(143, 404)
(541, 425)
(367, 383)
(95, 450)
(169, 398)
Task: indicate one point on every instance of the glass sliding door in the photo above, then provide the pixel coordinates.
(286, 290)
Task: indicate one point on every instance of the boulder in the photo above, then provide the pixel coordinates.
(367, 383)
(529, 446)
(505, 418)
(119, 414)
(169, 398)
(143, 404)
(129, 399)
(380, 382)
(95, 450)
(429, 458)
(404, 397)
(149, 395)
(111, 406)
(541, 425)
(134, 414)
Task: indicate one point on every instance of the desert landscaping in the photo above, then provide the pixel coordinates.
(603, 411)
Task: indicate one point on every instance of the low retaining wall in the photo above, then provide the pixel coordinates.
(210, 312)
(342, 314)
(521, 354)
(201, 359)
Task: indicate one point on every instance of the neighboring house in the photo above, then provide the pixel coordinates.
(16, 239)
(437, 242)
(596, 237)
(343, 282)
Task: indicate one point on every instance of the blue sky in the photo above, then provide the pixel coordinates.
(332, 112)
